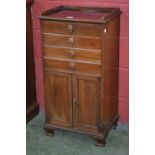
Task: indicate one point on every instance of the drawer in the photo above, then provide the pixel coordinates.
(72, 66)
(73, 54)
(71, 28)
(72, 41)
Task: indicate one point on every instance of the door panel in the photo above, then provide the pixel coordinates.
(58, 99)
(86, 102)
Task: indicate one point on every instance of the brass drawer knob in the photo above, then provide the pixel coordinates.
(70, 28)
(72, 66)
(71, 41)
(71, 54)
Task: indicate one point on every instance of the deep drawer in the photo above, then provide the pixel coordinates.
(71, 28)
(72, 66)
(72, 41)
(73, 54)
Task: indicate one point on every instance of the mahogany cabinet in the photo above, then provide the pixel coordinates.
(32, 108)
(81, 60)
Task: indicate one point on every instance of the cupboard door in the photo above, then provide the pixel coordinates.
(86, 102)
(58, 98)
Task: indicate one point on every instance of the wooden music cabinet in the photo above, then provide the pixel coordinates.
(81, 60)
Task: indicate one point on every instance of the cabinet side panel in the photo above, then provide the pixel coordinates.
(110, 70)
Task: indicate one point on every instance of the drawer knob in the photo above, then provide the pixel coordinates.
(72, 66)
(71, 41)
(70, 28)
(71, 54)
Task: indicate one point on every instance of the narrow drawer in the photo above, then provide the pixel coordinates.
(71, 41)
(73, 54)
(71, 28)
(72, 66)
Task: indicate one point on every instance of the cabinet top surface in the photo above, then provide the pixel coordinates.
(83, 14)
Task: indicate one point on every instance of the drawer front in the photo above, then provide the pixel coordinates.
(71, 41)
(73, 54)
(88, 68)
(71, 28)
(72, 66)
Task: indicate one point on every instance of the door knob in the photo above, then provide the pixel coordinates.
(75, 102)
